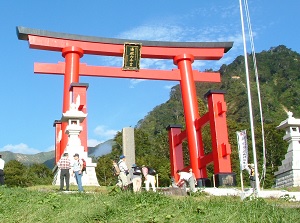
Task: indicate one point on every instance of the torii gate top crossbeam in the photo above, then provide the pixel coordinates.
(55, 41)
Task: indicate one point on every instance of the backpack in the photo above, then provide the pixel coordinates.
(151, 171)
(83, 165)
(116, 170)
(137, 171)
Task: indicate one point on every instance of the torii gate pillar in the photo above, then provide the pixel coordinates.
(72, 57)
(190, 106)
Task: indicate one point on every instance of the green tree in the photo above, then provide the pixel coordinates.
(39, 174)
(104, 171)
(15, 174)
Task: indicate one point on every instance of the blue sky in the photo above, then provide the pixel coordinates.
(31, 102)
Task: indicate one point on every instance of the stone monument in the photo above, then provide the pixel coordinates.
(128, 147)
(288, 174)
(74, 117)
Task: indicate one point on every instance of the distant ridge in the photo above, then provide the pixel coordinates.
(47, 158)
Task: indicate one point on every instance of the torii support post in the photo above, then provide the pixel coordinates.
(176, 153)
(219, 135)
(220, 154)
(58, 135)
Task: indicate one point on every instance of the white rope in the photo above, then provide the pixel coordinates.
(258, 88)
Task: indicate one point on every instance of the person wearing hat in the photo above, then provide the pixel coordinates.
(136, 178)
(64, 164)
(123, 182)
(77, 170)
(2, 163)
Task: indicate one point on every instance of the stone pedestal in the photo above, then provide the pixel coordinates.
(225, 179)
(288, 174)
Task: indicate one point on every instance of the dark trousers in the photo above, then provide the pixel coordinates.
(1, 177)
(64, 175)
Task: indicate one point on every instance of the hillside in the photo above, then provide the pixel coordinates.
(28, 159)
(279, 76)
(278, 70)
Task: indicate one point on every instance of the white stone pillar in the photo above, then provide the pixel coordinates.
(128, 147)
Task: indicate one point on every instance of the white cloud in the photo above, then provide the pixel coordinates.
(93, 142)
(20, 148)
(154, 32)
(227, 29)
(104, 133)
(134, 82)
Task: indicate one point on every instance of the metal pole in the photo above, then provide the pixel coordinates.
(249, 102)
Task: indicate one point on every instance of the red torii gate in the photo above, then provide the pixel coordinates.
(73, 47)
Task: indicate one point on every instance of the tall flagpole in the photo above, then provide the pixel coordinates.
(258, 89)
(249, 101)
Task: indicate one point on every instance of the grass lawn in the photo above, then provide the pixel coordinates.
(102, 204)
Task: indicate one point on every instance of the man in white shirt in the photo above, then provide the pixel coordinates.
(77, 170)
(123, 182)
(188, 178)
(2, 163)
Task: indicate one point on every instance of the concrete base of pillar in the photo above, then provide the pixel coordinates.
(225, 179)
(289, 178)
(203, 182)
(288, 174)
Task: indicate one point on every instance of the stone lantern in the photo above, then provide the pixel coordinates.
(74, 117)
(288, 174)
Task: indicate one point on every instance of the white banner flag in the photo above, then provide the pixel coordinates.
(243, 148)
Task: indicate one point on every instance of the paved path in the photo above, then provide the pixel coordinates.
(293, 196)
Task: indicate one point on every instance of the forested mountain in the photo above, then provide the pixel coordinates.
(279, 72)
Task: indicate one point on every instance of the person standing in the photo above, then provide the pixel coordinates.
(77, 170)
(136, 178)
(2, 163)
(64, 164)
(123, 182)
(186, 177)
(116, 172)
(251, 171)
(149, 178)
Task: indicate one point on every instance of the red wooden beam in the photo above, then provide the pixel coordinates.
(99, 71)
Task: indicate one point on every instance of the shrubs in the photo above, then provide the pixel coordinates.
(19, 175)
